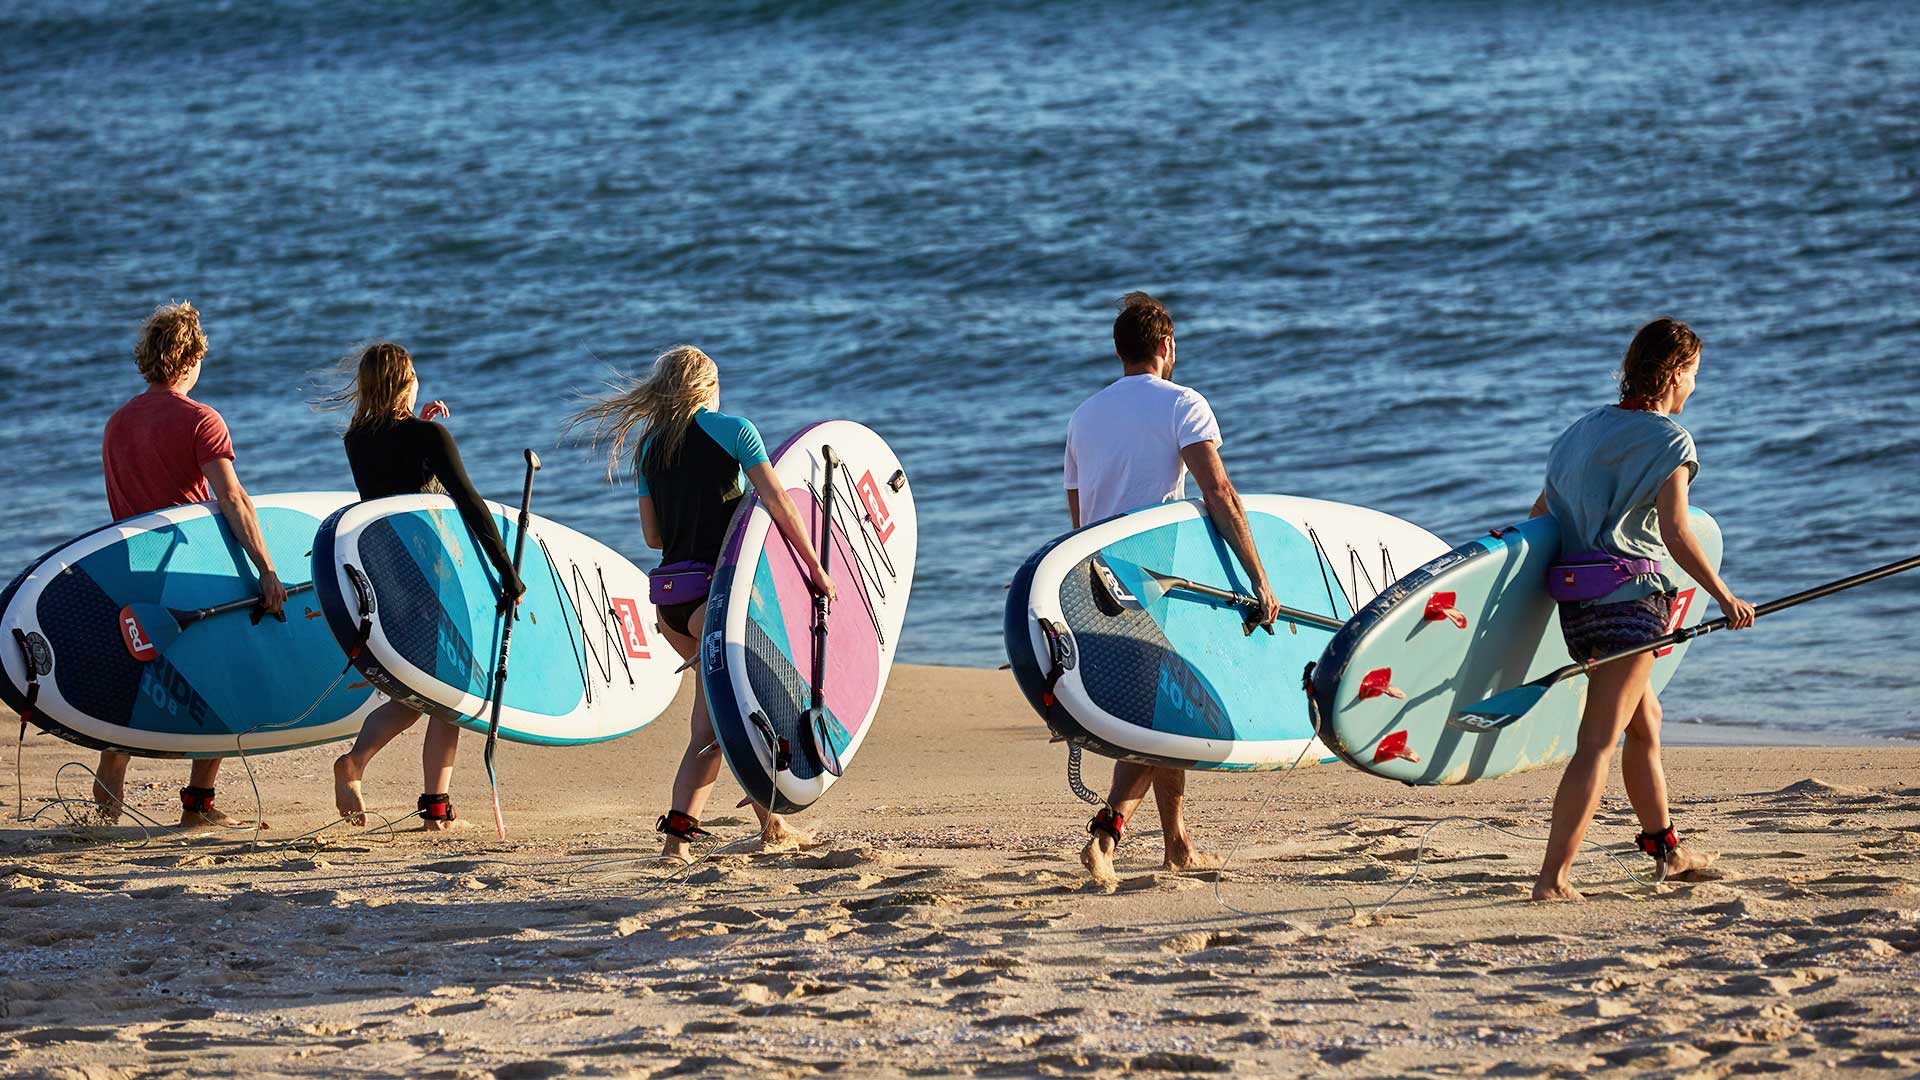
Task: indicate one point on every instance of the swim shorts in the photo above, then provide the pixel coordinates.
(1594, 630)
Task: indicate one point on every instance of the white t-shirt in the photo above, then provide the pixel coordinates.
(1124, 443)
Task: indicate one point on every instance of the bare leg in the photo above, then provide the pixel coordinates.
(110, 785)
(1647, 785)
(1130, 783)
(203, 775)
(436, 764)
(1613, 696)
(1170, 795)
(381, 727)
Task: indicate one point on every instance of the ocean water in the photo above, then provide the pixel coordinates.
(1405, 245)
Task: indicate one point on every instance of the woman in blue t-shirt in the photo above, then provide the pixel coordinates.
(693, 464)
(1617, 483)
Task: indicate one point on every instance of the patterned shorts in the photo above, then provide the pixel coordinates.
(1594, 630)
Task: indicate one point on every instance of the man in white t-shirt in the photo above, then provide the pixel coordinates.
(1131, 446)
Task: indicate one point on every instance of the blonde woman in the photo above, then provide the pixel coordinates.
(394, 452)
(693, 464)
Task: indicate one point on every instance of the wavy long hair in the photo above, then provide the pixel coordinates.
(661, 406)
(379, 374)
(1659, 352)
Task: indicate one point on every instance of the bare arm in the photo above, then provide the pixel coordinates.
(1073, 506)
(1230, 517)
(650, 524)
(766, 483)
(237, 508)
(1676, 531)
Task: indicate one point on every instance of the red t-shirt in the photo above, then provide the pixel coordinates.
(154, 448)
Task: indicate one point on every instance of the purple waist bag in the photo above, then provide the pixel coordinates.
(1590, 575)
(679, 583)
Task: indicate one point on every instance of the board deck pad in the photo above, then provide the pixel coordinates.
(587, 662)
(1171, 677)
(1497, 583)
(758, 652)
(217, 686)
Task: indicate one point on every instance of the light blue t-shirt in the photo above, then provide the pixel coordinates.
(1604, 476)
(735, 434)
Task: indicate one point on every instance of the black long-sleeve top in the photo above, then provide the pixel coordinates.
(413, 457)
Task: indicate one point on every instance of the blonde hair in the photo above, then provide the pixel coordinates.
(683, 381)
(170, 343)
(379, 374)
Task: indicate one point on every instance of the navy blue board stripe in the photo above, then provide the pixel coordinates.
(716, 677)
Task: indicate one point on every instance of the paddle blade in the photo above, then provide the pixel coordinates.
(825, 737)
(146, 630)
(1501, 710)
(499, 819)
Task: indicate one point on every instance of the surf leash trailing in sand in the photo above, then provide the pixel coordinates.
(506, 640)
(1509, 706)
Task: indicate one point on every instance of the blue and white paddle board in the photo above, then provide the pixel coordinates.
(587, 663)
(93, 650)
(757, 663)
(1471, 623)
(1129, 670)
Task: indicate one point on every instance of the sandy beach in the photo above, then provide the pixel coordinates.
(944, 926)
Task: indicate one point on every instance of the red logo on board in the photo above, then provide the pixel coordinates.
(138, 643)
(631, 635)
(1681, 602)
(876, 507)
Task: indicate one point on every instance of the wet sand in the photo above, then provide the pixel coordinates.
(945, 926)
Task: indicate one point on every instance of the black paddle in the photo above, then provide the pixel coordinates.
(815, 720)
(155, 626)
(1508, 706)
(506, 640)
(1169, 583)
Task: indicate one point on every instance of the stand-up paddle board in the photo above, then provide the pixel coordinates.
(139, 637)
(1124, 635)
(414, 600)
(762, 657)
(1471, 623)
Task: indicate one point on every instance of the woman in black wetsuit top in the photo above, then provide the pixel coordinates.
(393, 452)
(693, 464)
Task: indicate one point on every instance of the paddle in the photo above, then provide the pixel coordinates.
(815, 721)
(506, 641)
(1169, 583)
(1508, 706)
(147, 629)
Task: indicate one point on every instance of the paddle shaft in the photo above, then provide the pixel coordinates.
(506, 637)
(1251, 603)
(1720, 623)
(187, 618)
(822, 607)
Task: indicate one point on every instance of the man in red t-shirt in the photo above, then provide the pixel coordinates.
(164, 449)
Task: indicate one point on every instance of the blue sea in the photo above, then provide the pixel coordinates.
(1405, 244)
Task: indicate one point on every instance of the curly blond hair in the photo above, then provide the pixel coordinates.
(684, 380)
(170, 343)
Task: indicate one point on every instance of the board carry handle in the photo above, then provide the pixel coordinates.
(1508, 706)
(506, 640)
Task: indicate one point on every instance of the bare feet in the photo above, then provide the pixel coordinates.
(1551, 890)
(1682, 861)
(1097, 857)
(777, 835)
(346, 791)
(211, 818)
(1182, 857)
(442, 824)
(676, 852)
(106, 802)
